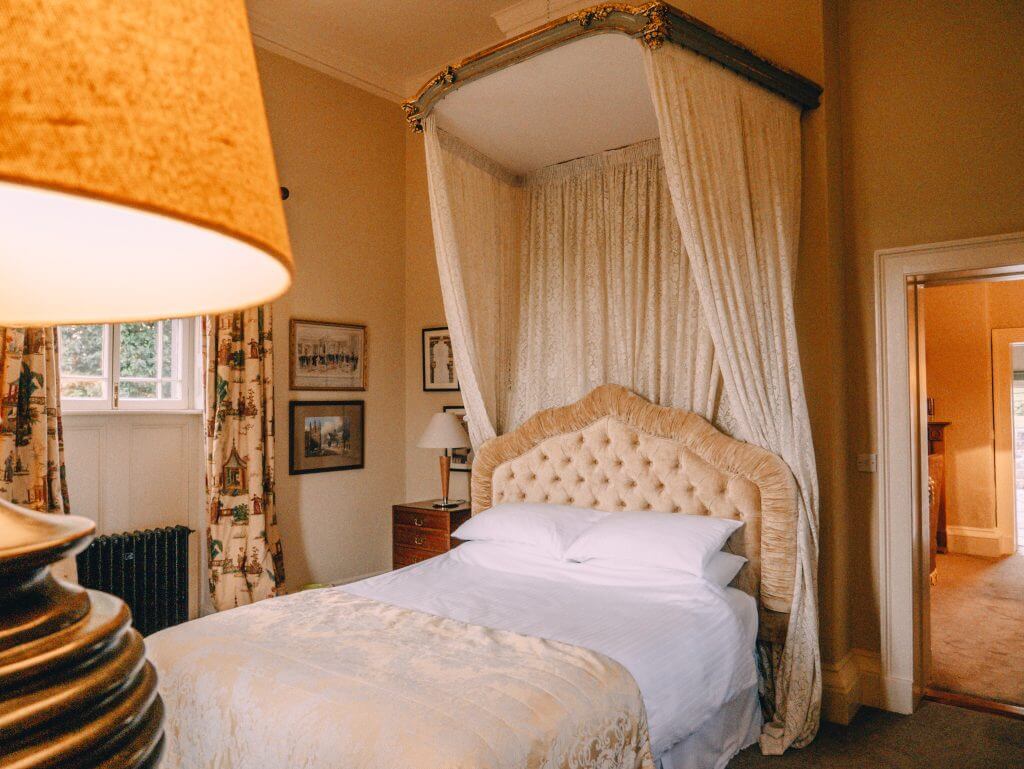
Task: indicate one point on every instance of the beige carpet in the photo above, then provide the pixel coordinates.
(977, 624)
(935, 737)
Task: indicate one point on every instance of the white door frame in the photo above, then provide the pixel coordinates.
(902, 530)
(1002, 405)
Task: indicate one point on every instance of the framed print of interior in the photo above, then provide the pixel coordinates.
(327, 356)
(439, 373)
(325, 435)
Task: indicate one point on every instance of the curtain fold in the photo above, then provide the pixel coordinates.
(732, 159)
(244, 557)
(564, 279)
(475, 209)
(32, 470)
(606, 291)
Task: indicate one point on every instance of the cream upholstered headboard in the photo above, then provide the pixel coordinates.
(615, 451)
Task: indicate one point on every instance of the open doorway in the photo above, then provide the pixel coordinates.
(972, 374)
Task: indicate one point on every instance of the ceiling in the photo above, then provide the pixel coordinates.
(568, 117)
(390, 47)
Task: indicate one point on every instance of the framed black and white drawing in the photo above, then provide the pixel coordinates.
(462, 459)
(327, 356)
(325, 436)
(439, 373)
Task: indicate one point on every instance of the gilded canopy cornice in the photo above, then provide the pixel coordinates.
(653, 23)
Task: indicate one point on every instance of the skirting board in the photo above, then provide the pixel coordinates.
(840, 690)
(883, 692)
(857, 680)
(973, 540)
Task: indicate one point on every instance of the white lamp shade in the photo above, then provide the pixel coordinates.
(445, 431)
(137, 179)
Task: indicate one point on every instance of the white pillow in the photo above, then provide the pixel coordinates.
(665, 540)
(723, 568)
(547, 529)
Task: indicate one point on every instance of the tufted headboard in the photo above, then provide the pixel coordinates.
(615, 451)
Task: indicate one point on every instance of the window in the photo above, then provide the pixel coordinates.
(125, 366)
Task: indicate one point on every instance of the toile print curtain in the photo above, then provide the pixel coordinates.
(31, 437)
(245, 562)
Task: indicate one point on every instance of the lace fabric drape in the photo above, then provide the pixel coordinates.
(564, 279)
(732, 159)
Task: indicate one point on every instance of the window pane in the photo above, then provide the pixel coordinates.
(138, 390)
(138, 349)
(81, 388)
(81, 350)
(167, 329)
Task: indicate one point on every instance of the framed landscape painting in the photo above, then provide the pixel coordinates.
(327, 356)
(439, 373)
(325, 436)
(462, 459)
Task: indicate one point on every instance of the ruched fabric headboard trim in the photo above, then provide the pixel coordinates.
(615, 451)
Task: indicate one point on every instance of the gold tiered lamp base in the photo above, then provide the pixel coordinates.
(76, 689)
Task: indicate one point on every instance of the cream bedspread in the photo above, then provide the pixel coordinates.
(342, 681)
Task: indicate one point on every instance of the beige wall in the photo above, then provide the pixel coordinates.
(932, 151)
(958, 343)
(340, 152)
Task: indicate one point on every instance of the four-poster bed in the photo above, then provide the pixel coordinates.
(634, 236)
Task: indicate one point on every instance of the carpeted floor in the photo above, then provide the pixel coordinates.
(935, 737)
(977, 624)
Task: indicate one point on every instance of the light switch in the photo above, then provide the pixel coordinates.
(867, 463)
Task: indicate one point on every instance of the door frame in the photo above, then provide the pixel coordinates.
(1002, 405)
(901, 526)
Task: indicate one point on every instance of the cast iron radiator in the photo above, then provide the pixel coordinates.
(148, 570)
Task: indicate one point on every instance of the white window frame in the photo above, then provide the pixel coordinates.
(114, 403)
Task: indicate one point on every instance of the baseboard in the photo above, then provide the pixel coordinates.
(840, 690)
(356, 578)
(975, 540)
(883, 692)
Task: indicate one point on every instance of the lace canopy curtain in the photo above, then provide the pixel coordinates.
(564, 279)
(669, 272)
(244, 557)
(732, 157)
(31, 436)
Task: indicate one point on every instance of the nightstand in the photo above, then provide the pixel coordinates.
(420, 531)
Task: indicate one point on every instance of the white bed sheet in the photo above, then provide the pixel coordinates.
(688, 643)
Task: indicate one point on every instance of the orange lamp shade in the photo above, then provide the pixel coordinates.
(137, 179)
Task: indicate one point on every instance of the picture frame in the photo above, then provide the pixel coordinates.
(326, 436)
(324, 355)
(462, 459)
(439, 374)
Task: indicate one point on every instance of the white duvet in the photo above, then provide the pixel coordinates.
(688, 644)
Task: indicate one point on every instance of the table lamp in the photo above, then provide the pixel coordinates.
(444, 431)
(137, 182)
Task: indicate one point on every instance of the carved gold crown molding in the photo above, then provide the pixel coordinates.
(653, 23)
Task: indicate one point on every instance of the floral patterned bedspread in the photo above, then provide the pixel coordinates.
(324, 679)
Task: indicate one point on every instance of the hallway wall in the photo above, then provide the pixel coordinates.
(958, 345)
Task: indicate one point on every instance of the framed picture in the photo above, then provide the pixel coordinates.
(439, 373)
(462, 459)
(325, 436)
(327, 356)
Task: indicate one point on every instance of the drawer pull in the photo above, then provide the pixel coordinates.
(420, 539)
(417, 521)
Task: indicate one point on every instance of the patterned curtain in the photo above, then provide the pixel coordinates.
(244, 549)
(31, 437)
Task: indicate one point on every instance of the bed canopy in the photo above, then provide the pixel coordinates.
(615, 199)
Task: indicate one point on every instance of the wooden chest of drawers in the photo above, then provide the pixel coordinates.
(420, 531)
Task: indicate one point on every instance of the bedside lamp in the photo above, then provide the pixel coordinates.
(445, 431)
(137, 182)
